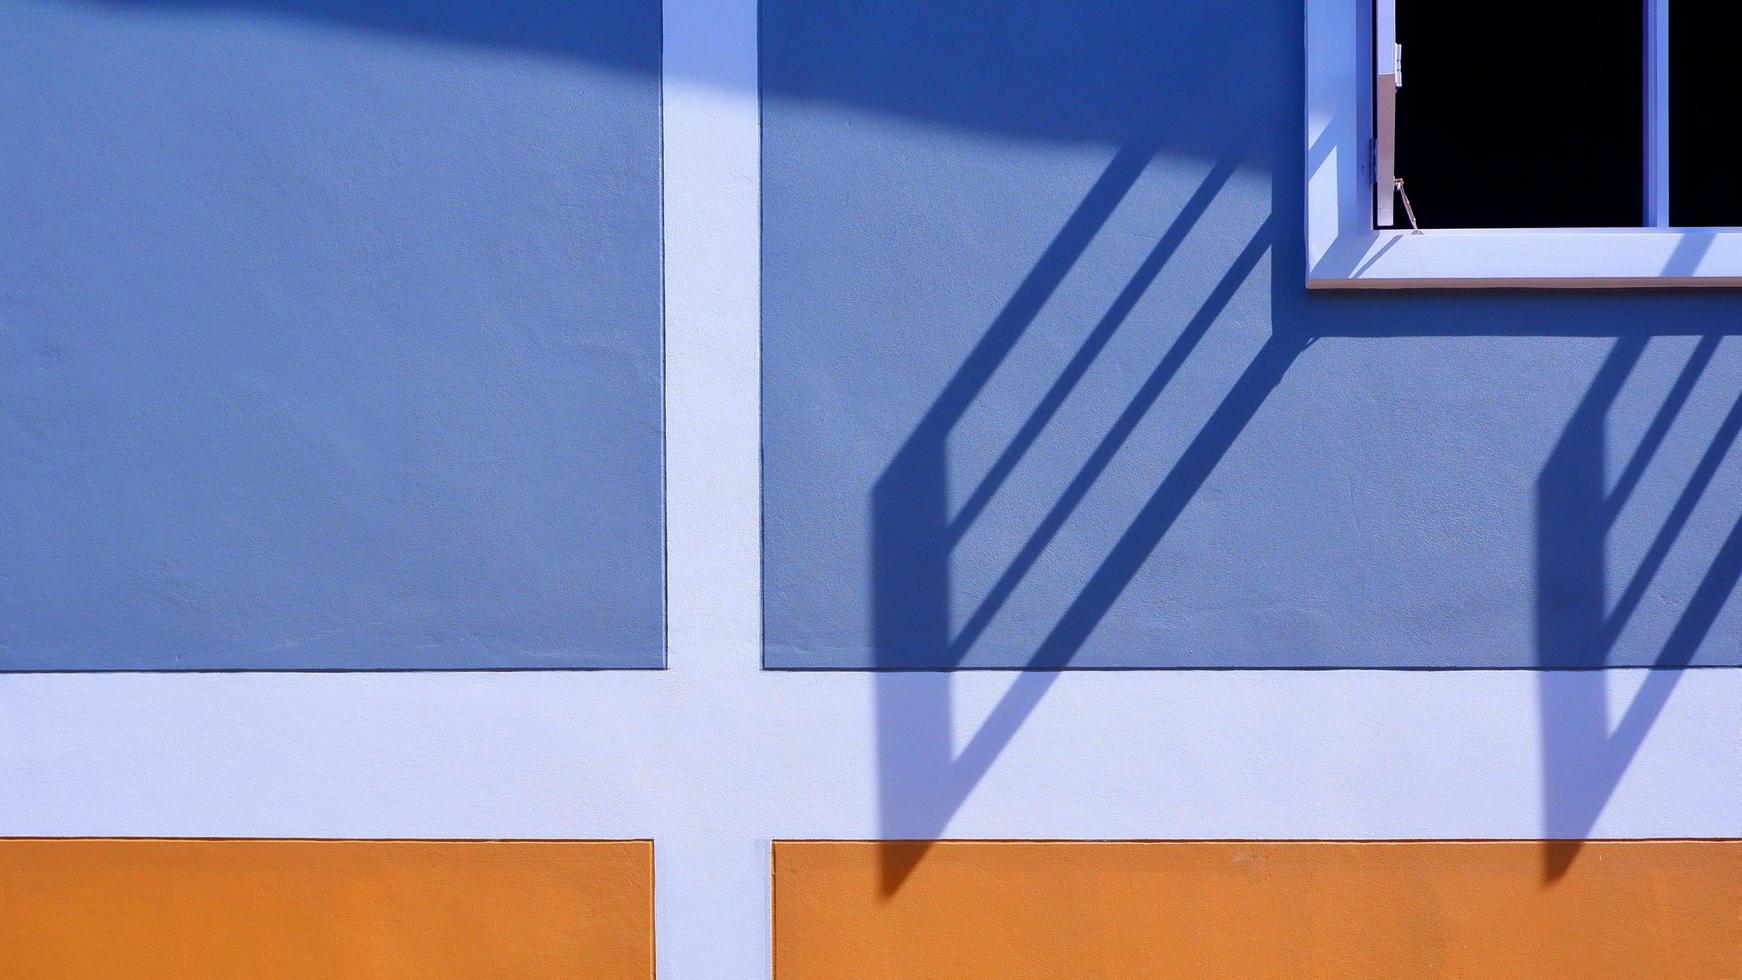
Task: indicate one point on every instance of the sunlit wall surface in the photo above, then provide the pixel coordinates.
(332, 366)
(330, 335)
(1042, 386)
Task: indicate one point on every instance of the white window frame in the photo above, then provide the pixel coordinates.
(1346, 251)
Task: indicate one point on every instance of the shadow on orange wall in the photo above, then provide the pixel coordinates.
(1290, 910)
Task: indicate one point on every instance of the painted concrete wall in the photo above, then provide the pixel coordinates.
(307, 908)
(715, 757)
(1042, 387)
(331, 335)
(1244, 910)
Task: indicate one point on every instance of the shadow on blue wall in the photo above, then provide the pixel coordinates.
(923, 780)
(1584, 752)
(598, 33)
(1131, 74)
(921, 784)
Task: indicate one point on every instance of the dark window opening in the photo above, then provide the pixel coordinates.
(1525, 114)
(1704, 186)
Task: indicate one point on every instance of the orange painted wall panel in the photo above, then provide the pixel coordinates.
(291, 908)
(1291, 909)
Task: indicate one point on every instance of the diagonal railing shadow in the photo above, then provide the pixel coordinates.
(922, 782)
(1583, 756)
(924, 779)
(909, 504)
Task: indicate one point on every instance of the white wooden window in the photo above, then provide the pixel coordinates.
(1360, 235)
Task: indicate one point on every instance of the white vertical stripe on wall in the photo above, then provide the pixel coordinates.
(711, 877)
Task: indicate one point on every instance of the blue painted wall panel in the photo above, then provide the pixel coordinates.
(1043, 387)
(329, 335)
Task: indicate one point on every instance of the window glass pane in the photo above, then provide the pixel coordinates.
(1704, 188)
(1524, 114)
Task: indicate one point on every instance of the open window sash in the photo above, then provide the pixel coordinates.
(1388, 78)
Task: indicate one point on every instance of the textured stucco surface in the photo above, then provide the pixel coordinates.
(670, 754)
(1246, 910)
(1042, 385)
(376, 909)
(330, 335)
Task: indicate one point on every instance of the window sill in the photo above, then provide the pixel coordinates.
(1594, 258)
